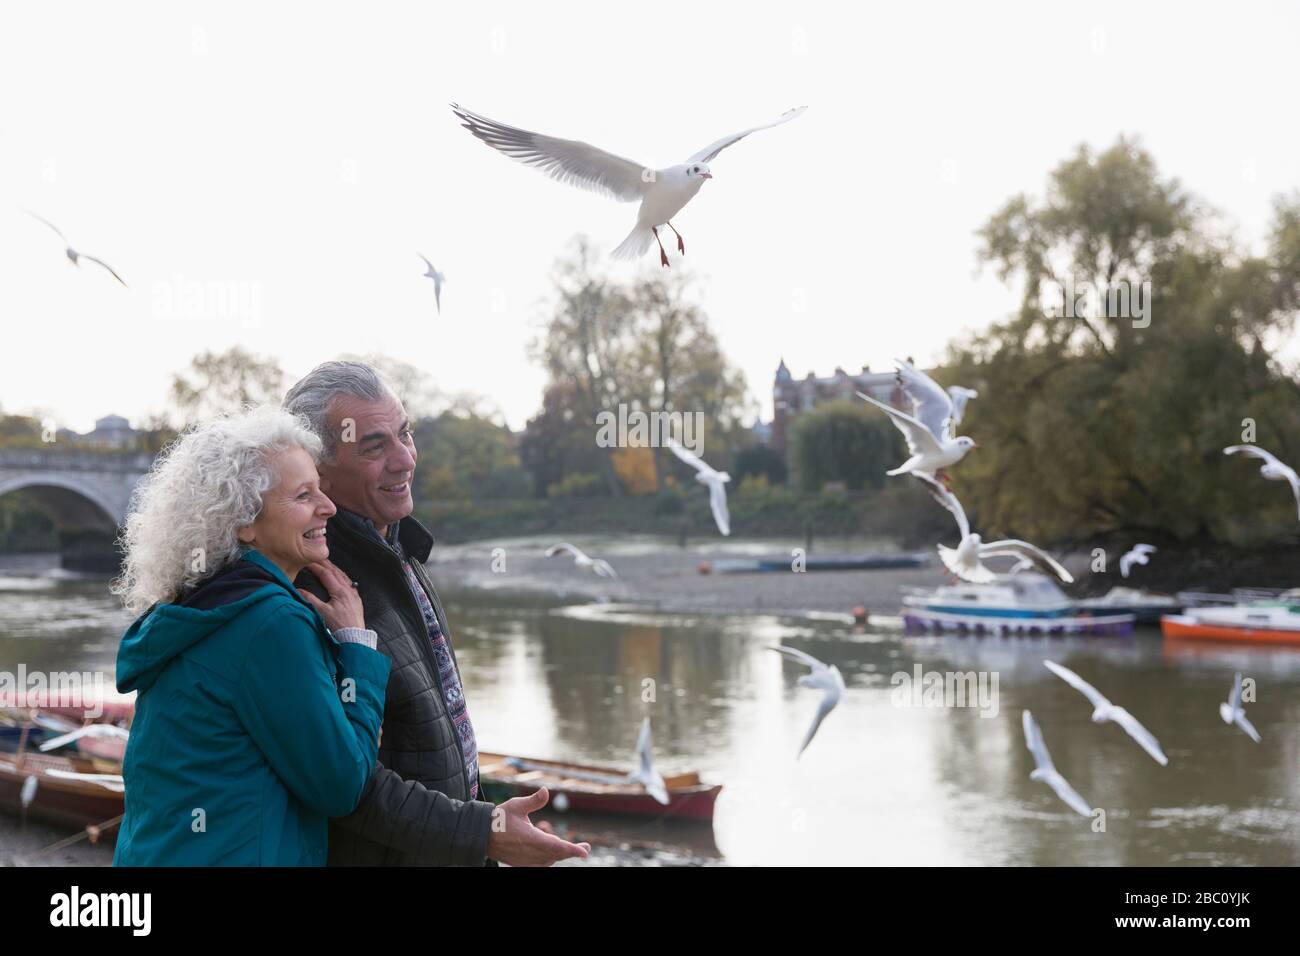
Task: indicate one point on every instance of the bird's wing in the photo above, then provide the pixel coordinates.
(707, 154)
(50, 224)
(565, 160)
(1014, 546)
(101, 262)
(1253, 451)
(1144, 549)
(644, 748)
(960, 396)
(947, 499)
(1125, 562)
(1234, 696)
(1133, 727)
(602, 567)
(1034, 741)
(1295, 486)
(564, 548)
(920, 440)
(1239, 718)
(800, 656)
(437, 294)
(686, 455)
(1077, 682)
(931, 405)
(718, 504)
(1069, 795)
(427, 263)
(824, 707)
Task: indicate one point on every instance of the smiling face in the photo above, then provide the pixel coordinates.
(290, 528)
(374, 459)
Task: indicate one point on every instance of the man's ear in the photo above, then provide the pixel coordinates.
(324, 482)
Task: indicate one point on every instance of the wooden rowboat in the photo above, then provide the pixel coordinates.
(64, 801)
(595, 789)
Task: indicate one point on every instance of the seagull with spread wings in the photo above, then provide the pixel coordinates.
(825, 677)
(1233, 713)
(661, 192)
(931, 429)
(966, 561)
(73, 255)
(1138, 554)
(1045, 771)
(582, 560)
(1272, 469)
(705, 475)
(1104, 710)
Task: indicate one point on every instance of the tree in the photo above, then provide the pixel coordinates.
(223, 383)
(844, 442)
(1101, 421)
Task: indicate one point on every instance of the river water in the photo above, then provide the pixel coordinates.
(885, 781)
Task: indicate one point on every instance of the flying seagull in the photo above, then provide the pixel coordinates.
(1137, 555)
(1104, 710)
(1232, 712)
(1045, 771)
(438, 279)
(599, 565)
(1271, 469)
(966, 561)
(705, 475)
(661, 192)
(645, 773)
(931, 428)
(73, 255)
(820, 675)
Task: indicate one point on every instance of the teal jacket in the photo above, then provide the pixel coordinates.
(253, 725)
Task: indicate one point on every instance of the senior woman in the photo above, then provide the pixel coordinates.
(259, 706)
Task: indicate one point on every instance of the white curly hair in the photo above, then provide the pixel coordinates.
(186, 513)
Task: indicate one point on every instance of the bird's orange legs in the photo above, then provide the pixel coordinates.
(681, 246)
(663, 256)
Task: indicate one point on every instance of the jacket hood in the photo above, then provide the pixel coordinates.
(166, 631)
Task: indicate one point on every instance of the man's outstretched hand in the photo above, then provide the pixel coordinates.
(515, 841)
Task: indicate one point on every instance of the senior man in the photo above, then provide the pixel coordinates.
(421, 805)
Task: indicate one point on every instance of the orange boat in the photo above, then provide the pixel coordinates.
(1248, 623)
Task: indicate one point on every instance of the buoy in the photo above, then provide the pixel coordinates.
(860, 615)
(704, 567)
(560, 802)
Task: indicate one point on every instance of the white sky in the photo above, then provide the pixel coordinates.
(301, 154)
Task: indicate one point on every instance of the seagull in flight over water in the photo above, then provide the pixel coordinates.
(1232, 712)
(582, 560)
(661, 192)
(1104, 710)
(931, 429)
(706, 475)
(827, 678)
(645, 774)
(1045, 771)
(73, 255)
(1272, 468)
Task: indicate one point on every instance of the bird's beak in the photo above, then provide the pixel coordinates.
(706, 175)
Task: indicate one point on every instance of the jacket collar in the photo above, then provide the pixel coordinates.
(407, 536)
(265, 563)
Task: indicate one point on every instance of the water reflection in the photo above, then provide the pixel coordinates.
(880, 783)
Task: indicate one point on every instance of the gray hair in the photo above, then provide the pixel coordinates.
(314, 396)
(187, 512)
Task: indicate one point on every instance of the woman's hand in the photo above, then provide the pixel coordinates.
(344, 608)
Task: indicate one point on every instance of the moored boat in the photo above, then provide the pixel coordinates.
(65, 791)
(1025, 603)
(595, 789)
(1249, 623)
(1146, 608)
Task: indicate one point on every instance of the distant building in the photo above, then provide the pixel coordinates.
(111, 431)
(792, 397)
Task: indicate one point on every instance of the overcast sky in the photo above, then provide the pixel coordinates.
(287, 162)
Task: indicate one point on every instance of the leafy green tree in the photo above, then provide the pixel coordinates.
(844, 442)
(219, 383)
